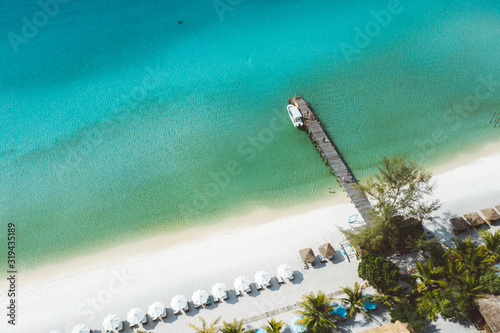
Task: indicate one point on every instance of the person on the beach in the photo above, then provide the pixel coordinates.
(329, 189)
(343, 179)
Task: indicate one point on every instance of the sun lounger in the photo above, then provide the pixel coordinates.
(208, 302)
(258, 286)
(237, 292)
(225, 296)
(459, 225)
(474, 219)
(268, 284)
(248, 290)
(305, 265)
(291, 277)
(491, 215)
(320, 257)
(216, 300)
(280, 280)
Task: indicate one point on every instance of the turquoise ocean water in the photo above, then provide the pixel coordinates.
(119, 122)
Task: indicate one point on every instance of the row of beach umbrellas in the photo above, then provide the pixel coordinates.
(137, 316)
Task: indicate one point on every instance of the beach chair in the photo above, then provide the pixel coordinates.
(280, 280)
(320, 258)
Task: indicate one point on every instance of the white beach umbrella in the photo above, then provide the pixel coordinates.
(285, 271)
(157, 309)
(219, 290)
(178, 303)
(111, 322)
(80, 329)
(199, 297)
(241, 283)
(136, 316)
(262, 278)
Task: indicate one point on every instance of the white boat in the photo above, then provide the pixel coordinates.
(295, 115)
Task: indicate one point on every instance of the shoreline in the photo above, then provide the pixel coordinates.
(193, 234)
(137, 274)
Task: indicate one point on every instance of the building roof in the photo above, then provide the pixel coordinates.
(397, 327)
(490, 310)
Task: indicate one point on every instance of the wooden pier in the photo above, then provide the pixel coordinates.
(328, 151)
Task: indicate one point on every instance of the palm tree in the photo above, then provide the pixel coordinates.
(204, 328)
(431, 277)
(316, 312)
(453, 269)
(491, 241)
(391, 298)
(234, 327)
(354, 301)
(274, 326)
(471, 287)
(476, 259)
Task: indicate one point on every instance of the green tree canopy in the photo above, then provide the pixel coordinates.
(400, 194)
(316, 312)
(380, 272)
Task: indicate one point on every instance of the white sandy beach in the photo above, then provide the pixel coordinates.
(87, 289)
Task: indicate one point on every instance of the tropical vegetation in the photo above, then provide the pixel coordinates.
(380, 272)
(400, 192)
(316, 312)
(205, 328)
(274, 326)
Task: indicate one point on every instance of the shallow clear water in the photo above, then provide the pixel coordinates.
(119, 122)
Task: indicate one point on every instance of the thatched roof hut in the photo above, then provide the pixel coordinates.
(490, 214)
(459, 225)
(326, 250)
(397, 327)
(307, 255)
(489, 307)
(474, 219)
